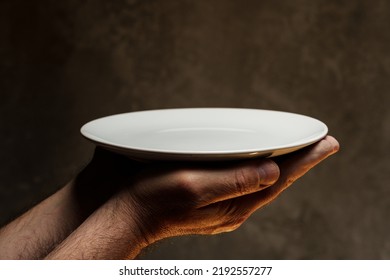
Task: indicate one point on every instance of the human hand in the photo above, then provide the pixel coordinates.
(143, 203)
(176, 199)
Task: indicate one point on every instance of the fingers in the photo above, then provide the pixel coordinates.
(170, 195)
(219, 185)
(211, 200)
(231, 213)
(297, 164)
(216, 184)
(292, 167)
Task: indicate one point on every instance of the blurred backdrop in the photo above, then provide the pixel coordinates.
(64, 63)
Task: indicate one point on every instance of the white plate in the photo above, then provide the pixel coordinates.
(204, 133)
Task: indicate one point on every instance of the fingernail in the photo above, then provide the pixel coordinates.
(269, 172)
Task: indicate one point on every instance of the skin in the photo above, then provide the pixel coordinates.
(116, 207)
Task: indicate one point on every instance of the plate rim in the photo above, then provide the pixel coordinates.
(208, 155)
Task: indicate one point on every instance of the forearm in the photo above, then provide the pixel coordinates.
(111, 232)
(38, 231)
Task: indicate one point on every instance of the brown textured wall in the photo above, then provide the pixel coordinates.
(64, 63)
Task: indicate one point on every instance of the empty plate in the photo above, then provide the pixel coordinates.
(204, 133)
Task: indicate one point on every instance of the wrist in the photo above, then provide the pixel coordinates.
(131, 217)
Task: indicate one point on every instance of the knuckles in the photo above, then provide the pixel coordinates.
(186, 188)
(184, 179)
(244, 179)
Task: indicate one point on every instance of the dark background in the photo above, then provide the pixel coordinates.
(64, 63)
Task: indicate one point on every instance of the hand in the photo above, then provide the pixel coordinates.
(149, 202)
(173, 199)
(115, 207)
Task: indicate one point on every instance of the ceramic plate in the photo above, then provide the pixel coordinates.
(204, 133)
